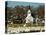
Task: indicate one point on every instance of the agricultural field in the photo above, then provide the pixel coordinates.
(17, 28)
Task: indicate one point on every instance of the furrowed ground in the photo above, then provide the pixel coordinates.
(14, 28)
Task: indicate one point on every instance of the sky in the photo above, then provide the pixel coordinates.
(15, 3)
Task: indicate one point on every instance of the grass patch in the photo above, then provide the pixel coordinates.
(22, 25)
